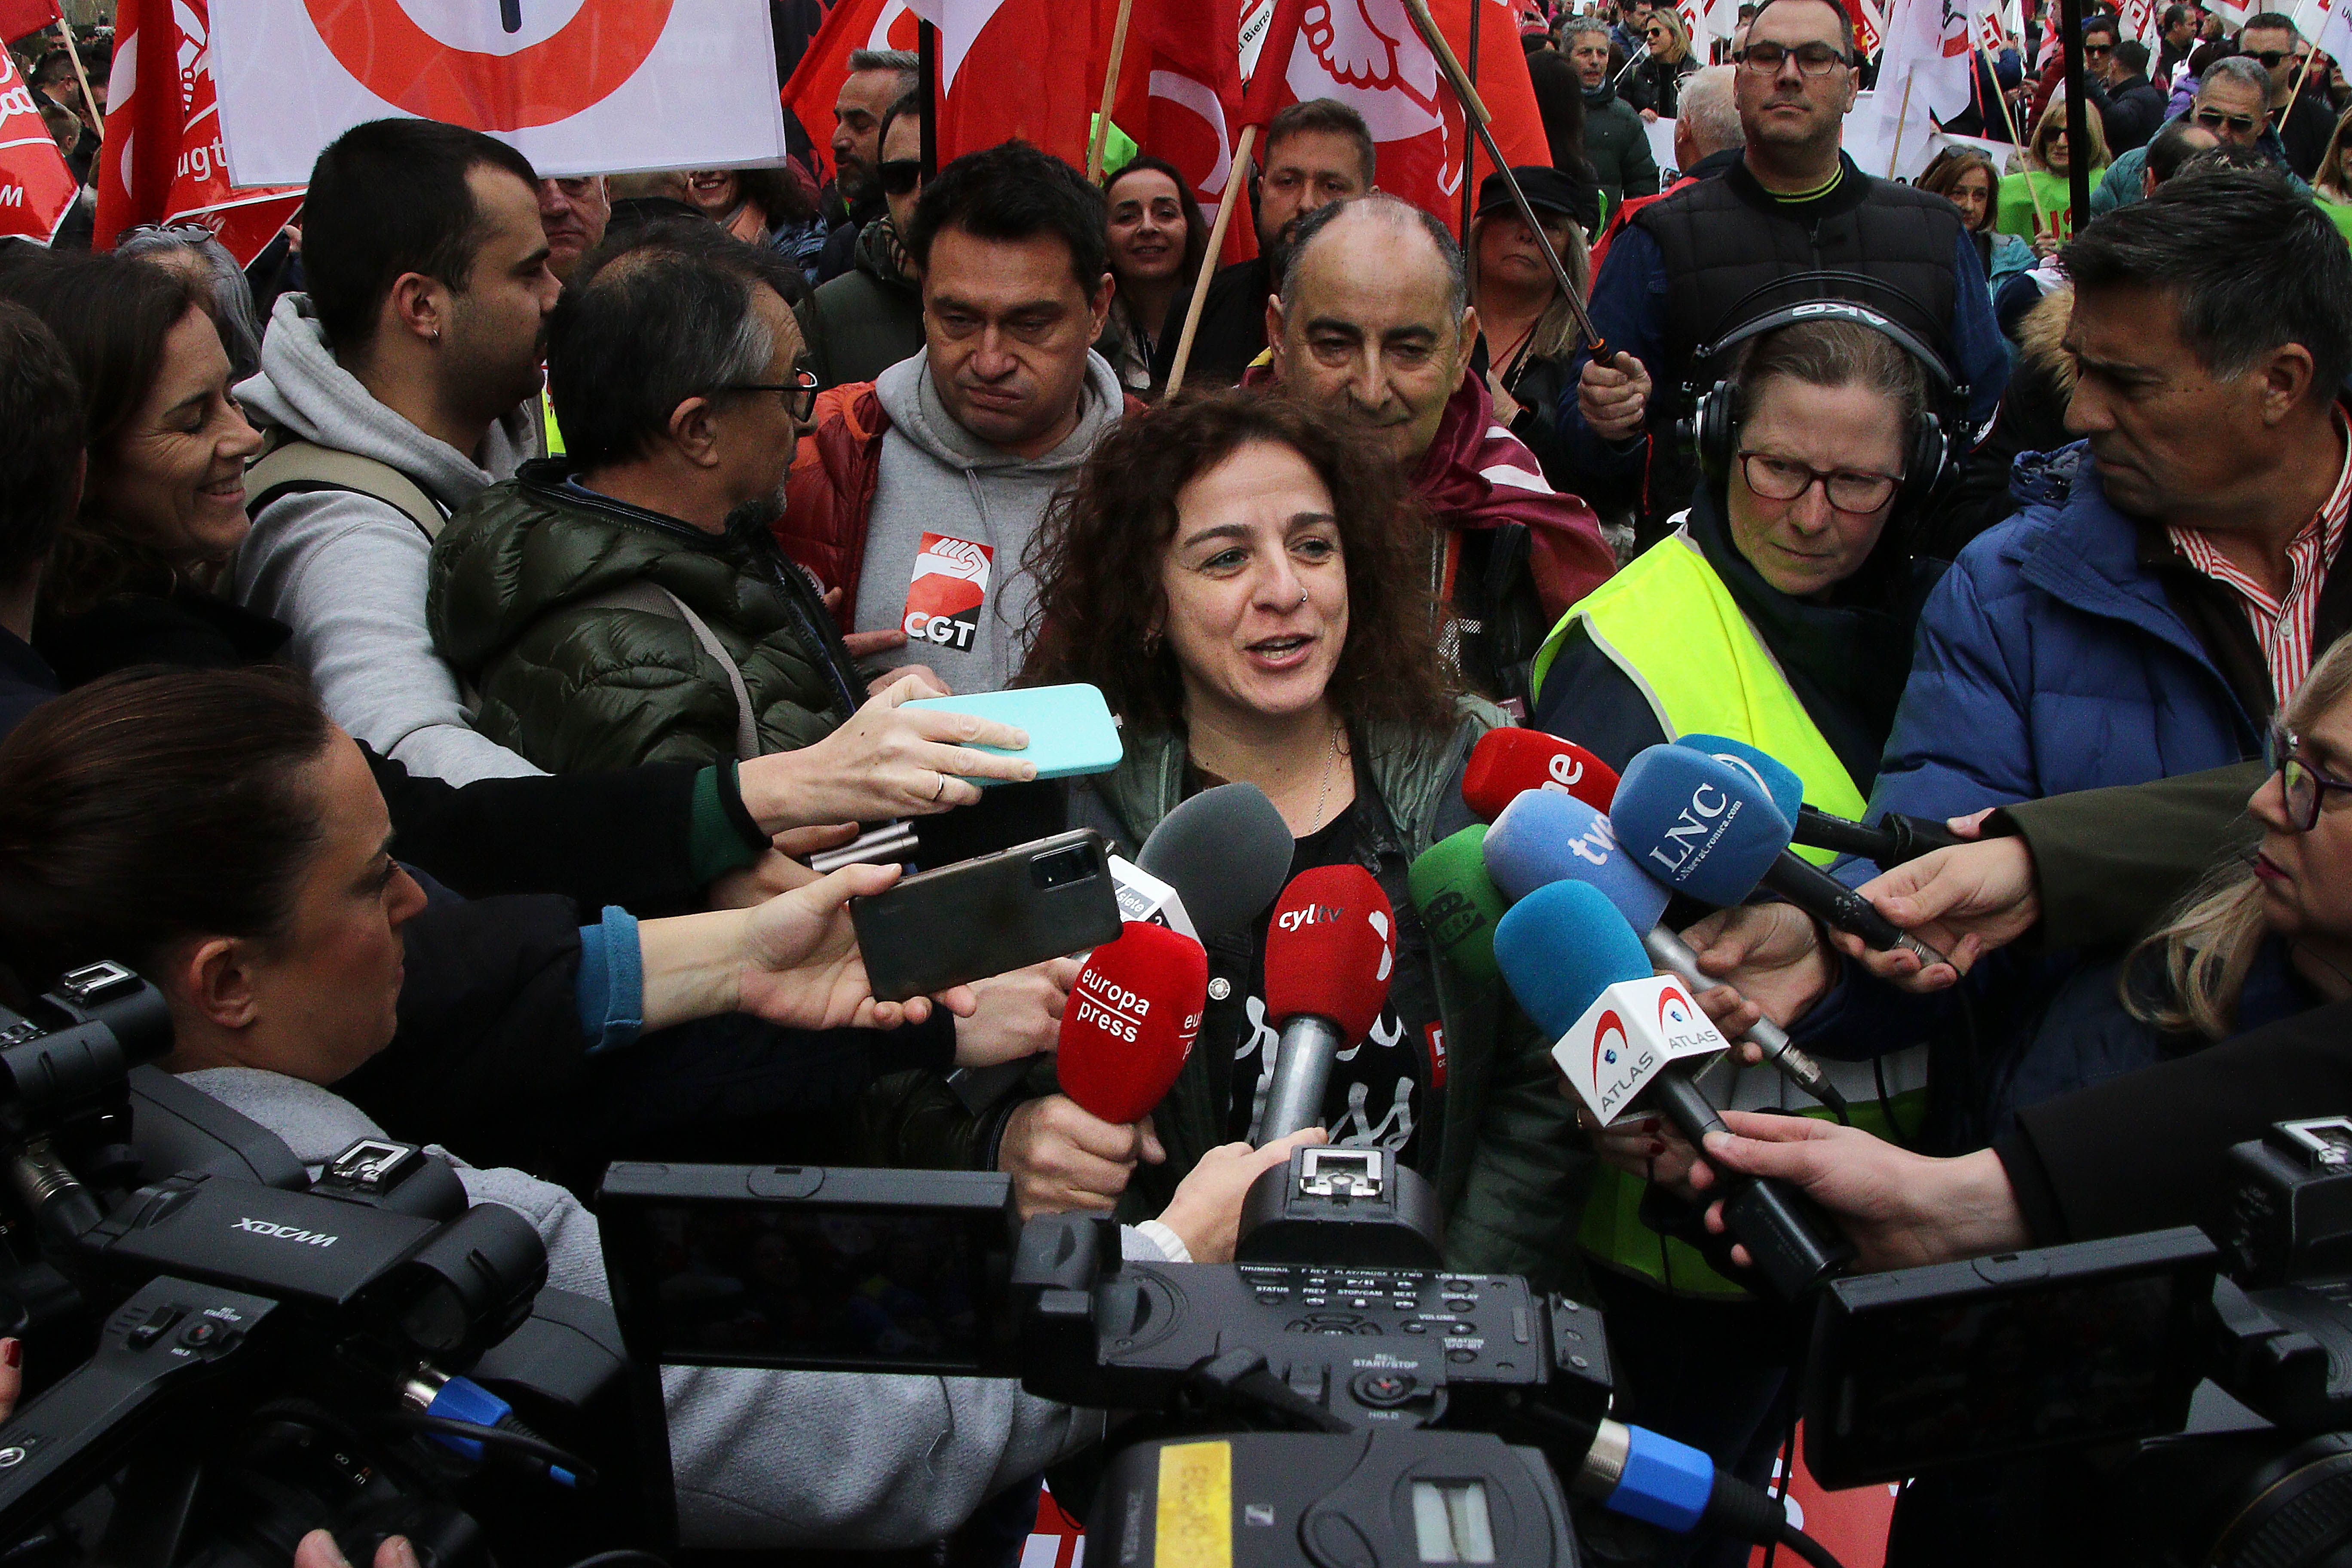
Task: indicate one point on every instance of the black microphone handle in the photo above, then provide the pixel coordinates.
(1916, 835)
(1791, 1242)
(1825, 898)
(1895, 839)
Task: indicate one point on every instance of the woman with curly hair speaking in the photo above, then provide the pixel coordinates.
(1243, 580)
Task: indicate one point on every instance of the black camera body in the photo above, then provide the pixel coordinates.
(234, 1354)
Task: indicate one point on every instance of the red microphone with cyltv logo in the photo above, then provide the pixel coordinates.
(1131, 1021)
(1330, 951)
(1505, 763)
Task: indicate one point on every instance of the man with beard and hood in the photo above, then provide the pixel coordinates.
(914, 499)
(624, 603)
(871, 317)
(1373, 320)
(1316, 153)
(400, 386)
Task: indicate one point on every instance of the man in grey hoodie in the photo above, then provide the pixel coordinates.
(418, 347)
(929, 482)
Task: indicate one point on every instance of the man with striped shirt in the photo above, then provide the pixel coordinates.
(1373, 320)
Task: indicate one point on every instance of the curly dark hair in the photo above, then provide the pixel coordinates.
(1096, 560)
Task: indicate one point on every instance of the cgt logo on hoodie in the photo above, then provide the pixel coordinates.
(949, 585)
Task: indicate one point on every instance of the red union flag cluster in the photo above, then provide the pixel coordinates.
(163, 161)
(35, 188)
(1034, 68)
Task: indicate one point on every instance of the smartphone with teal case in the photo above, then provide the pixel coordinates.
(1070, 727)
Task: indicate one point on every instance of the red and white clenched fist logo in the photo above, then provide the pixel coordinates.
(522, 81)
(951, 584)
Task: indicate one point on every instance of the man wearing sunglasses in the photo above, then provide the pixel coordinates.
(871, 317)
(625, 603)
(2230, 103)
(2303, 120)
(1691, 267)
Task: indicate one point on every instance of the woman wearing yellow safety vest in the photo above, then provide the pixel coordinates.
(1779, 613)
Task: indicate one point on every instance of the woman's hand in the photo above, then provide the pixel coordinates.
(793, 961)
(1018, 1014)
(1898, 1208)
(884, 763)
(1645, 1147)
(1206, 1212)
(1649, 117)
(780, 870)
(1063, 1157)
(1964, 901)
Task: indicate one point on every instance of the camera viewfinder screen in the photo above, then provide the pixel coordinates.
(1995, 1375)
(806, 1286)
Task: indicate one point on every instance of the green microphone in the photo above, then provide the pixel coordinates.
(1459, 903)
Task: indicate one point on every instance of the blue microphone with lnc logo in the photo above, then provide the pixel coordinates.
(1629, 1041)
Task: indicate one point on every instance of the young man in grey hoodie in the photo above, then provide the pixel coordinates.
(929, 483)
(419, 347)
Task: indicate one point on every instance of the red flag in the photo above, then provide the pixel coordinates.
(1365, 54)
(1180, 94)
(18, 17)
(37, 189)
(1869, 26)
(1017, 68)
(816, 81)
(163, 161)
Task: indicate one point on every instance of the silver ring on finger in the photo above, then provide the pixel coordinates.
(941, 790)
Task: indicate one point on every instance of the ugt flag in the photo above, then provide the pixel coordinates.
(1179, 94)
(1365, 54)
(161, 161)
(1017, 68)
(35, 188)
(579, 87)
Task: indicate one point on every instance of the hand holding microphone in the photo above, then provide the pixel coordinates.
(1126, 1031)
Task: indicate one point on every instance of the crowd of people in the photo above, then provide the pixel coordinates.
(432, 656)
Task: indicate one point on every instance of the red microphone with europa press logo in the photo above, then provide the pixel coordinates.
(1131, 1021)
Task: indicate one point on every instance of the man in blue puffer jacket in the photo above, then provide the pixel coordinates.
(2171, 577)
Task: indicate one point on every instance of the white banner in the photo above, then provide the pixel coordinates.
(1662, 143)
(579, 87)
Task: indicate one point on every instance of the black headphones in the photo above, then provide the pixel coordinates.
(1929, 452)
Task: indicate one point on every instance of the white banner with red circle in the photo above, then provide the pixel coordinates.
(579, 87)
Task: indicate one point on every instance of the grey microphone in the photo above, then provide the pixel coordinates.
(1302, 1072)
(1671, 954)
(1226, 852)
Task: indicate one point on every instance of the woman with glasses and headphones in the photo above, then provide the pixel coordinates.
(1779, 613)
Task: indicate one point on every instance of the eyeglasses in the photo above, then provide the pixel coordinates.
(2271, 58)
(799, 393)
(1813, 59)
(2215, 121)
(900, 177)
(2304, 787)
(1848, 490)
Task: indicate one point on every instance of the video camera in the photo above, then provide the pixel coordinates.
(246, 1355)
(2196, 1416)
(1284, 1411)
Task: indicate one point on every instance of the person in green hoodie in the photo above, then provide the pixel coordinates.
(1244, 579)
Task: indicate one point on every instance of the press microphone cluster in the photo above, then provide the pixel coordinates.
(1629, 1041)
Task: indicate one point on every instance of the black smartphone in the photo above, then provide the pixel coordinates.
(981, 917)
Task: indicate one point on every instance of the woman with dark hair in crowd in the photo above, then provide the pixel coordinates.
(129, 580)
(196, 252)
(1157, 240)
(1531, 333)
(1242, 579)
(216, 833)
(2332, 181)
(758, 207)
(1964, 177)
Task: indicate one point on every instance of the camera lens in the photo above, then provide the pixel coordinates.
(1063, 866)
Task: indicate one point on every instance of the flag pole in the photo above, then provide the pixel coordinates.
(1470, 145)
(2078, 134)
(98, 120)
(1473, 112)
(2008, 118)
(1895, 154)
(927, 49)
(1234, 180)
(2292, 93)
(1109, 93)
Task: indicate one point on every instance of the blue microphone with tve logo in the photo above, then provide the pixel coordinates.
(1629, 1041)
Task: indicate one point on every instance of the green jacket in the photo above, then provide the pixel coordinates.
(1617, 145)
(576, 686)
(1502, 1147)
